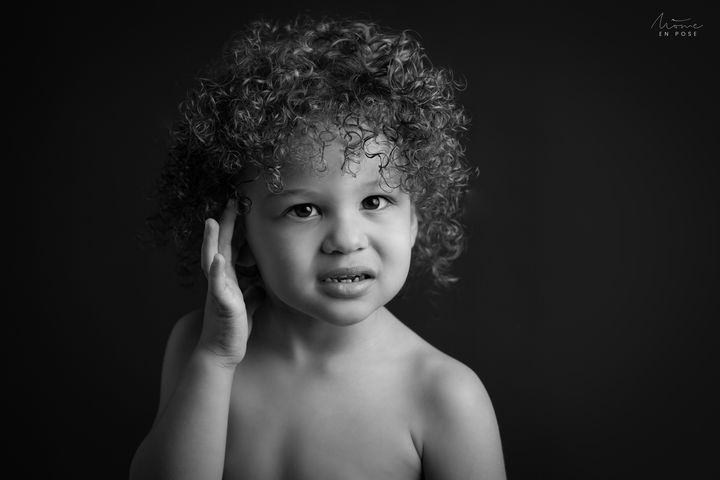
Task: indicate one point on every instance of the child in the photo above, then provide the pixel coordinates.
(328, 150)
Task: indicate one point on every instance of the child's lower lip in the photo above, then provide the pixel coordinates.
(346, 289)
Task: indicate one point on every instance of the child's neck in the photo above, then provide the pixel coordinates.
(305, 340)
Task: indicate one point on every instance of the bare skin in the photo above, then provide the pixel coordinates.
(302, 398)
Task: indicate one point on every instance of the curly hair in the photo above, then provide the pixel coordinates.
(274, 80)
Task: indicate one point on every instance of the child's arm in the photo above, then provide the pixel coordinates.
(187, 439)
(461, 440)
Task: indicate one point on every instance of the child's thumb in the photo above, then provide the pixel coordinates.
(217, 274)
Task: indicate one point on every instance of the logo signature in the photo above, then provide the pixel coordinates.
(675, 27)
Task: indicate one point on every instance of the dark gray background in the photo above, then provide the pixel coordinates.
(589, 295)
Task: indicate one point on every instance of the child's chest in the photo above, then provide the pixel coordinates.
(321, 428)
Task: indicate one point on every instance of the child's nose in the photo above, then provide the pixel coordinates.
(345, 235)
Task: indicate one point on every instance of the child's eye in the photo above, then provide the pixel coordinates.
(375, 202)
(304, 210)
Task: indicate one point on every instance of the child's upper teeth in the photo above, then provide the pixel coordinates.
(345, 278)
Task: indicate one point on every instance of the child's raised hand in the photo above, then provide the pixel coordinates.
(226, 321)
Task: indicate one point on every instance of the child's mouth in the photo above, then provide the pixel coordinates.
(348, 282)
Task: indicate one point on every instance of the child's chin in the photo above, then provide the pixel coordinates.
(345, 314)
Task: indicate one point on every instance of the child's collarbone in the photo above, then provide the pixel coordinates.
(323, 427)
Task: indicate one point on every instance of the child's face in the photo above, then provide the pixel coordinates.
(332, 245)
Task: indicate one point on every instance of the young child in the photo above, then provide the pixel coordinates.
(329, 153)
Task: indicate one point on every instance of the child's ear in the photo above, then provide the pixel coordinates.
(413, 226)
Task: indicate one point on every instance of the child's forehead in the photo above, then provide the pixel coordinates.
(324, 152)
(354, 140)
(340, 166)
(327, 153)
(346, 150)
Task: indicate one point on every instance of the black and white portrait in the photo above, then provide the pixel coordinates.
(462, 241)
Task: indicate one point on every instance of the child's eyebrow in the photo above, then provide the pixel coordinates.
(289, 191)
(370, 184)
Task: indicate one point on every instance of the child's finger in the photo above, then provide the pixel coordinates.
(209, 245)
(227, 226)
(231, 265)
(218, 287)
(216, 275)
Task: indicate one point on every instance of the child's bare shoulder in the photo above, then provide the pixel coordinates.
(445, 383)
(448, 391)
(455, 425)
(434, 373)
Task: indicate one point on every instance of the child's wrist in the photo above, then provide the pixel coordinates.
(206, 354)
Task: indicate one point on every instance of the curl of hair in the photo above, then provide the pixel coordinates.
(275, 79)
